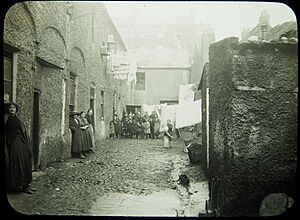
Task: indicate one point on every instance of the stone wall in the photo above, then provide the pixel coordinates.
(50, 41)
(253, 123)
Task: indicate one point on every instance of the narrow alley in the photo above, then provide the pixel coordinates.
(125, 177)
(95, 92)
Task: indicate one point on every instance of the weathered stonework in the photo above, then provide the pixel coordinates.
(253, 124)
(52, 40)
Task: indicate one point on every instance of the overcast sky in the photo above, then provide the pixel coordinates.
(226, 18)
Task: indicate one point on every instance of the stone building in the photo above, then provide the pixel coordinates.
(251, 136)
(159, 75)
(56, 59)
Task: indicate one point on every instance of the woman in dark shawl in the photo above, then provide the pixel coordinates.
(77, 136)
(89, 117)
(18, 151)
(87, 140)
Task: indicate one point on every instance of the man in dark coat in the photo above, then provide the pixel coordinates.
(152, 116)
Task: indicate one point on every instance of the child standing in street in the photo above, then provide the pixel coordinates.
(147, 130)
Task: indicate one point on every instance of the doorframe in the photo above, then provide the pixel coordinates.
(36, 125)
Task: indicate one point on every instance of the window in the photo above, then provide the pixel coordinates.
(8, 77)
(169, 102)
(72, 92)
(140, 81)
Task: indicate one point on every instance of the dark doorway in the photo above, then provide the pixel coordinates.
(133, 108)
(92, 104)
(36, 129)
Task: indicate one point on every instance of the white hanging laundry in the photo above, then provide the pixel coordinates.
(188, 114)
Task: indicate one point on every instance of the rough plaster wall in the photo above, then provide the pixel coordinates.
(19, 31)
(88, 39)
(253, 123)
(221, 86)
(43, 13)
(35, 31)
(53, 147)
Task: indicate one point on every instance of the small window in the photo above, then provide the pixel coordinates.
(140, 81)
(8, 78)
(72, 88)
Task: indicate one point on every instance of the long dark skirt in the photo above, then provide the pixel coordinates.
(19, 170)
(90, 130)
(86, 140)
(77, 142)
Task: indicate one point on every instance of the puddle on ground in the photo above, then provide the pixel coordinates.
(163, 203)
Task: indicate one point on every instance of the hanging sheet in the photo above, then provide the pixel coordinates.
(188, 114)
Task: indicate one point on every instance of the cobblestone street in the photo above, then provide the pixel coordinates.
(134, 177)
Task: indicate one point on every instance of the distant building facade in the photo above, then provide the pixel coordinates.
(159, 75)
(177, 35)
(57, 64)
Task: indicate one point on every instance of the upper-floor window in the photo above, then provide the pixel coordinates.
(140, 81)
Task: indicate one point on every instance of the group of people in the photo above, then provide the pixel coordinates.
(83, 137)
(135, 125)
(18, 146)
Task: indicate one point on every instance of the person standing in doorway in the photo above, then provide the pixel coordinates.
(18, 151)
(168, 134)
(111, 129)
(89, 118)
(77, 136)
(87, 140)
